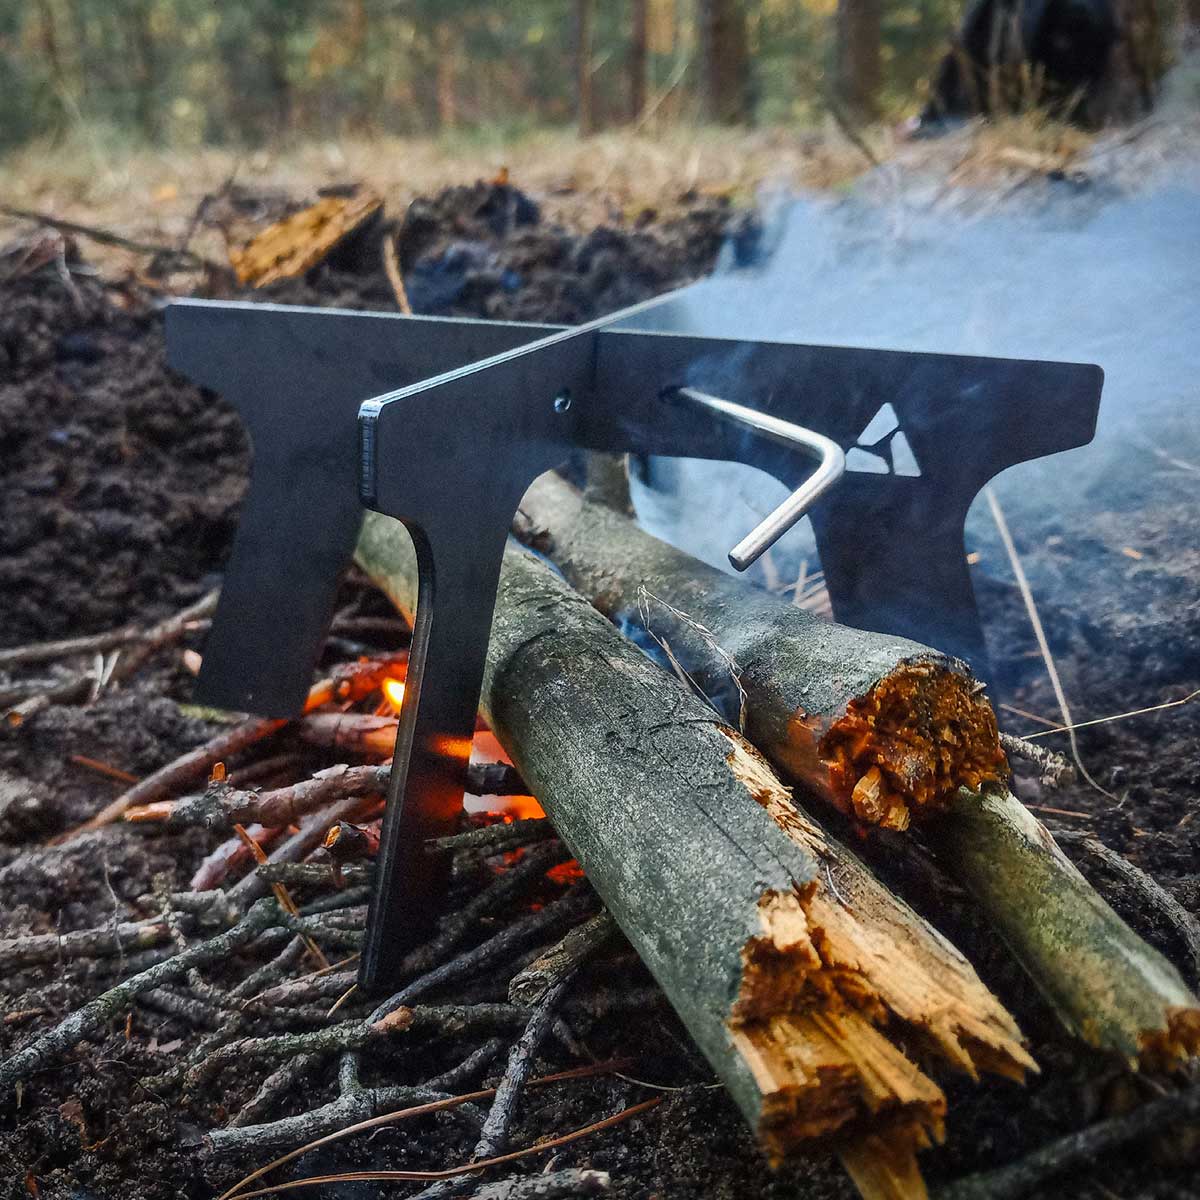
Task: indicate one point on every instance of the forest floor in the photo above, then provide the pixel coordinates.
(152, 194)
(120, 488)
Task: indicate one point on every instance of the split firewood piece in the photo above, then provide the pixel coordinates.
(299, 242)
(791, 965)
(884, 728)
(900, 715)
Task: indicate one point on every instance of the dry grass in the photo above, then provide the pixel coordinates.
(151, 194)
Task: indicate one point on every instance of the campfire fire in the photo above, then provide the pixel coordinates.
(393, 691)
(712, 874)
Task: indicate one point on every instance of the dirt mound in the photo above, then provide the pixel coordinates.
(121, 481)
(484, 251)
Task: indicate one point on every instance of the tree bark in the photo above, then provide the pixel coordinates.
(584, 113)
(446, 71)
(789, 963)
(639, 57)
(859, 57)
(726, 61)
(1106, 985)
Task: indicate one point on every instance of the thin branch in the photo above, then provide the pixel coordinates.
(501, 836)
(1043, 644)
(1055, 769)
(634, 1110)
(419, 1110)
(107, 238)
(318, 1123)
(562, 960)
(59, 1040)
(1076, 1149)
(555, 1185)
(1135, 712)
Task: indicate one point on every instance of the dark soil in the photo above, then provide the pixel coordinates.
(119, 489)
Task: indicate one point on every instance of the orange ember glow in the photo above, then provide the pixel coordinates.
(518, 807)
(393, 690)
(565, 873)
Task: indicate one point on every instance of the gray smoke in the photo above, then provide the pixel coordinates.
(1074, 271)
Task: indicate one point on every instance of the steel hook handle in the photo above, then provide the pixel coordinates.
(831, 465)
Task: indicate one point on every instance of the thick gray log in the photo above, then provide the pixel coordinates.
(783, 956)
(1105, 983)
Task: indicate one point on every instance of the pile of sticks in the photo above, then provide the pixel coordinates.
(827, 1006)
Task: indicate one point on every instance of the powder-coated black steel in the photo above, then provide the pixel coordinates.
(482, 409)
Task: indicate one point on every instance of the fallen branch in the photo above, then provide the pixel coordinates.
(179, 773)
(555, 1185)
(467, 1067)
(348, 1109)
(221, 805)
(58, 1041)
(347, 683)
(1076, 1149)
(1106, 985)
(101, 942)
(719, 880)
(455, 929)
(349, 1035)
(502, 836)
(107, 237)
(562, 960)
(308, 837)
(493, 1137)
(483, 1164)
(1056, 770)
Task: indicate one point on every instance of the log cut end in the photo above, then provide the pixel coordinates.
(907, 746)
(823, 1068)
(1165, 1049)
(835, 968)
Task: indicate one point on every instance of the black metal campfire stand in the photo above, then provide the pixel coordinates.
(485, 407)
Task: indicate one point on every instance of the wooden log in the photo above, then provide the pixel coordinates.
(882, 727)
(795, 970)
(1105, 984)
(299, 242)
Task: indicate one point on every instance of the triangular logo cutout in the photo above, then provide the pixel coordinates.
(882, 447)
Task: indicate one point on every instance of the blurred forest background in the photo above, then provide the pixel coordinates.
(248, 72)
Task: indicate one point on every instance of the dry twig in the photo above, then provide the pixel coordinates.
(1076, 1149)
(562, 960)
(112, 1003)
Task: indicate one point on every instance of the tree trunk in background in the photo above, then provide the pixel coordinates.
(1130, 82)
(279, 85)
(638, 40)
(583, 66)
(859, 57)
(446, 69)
(48, 37)
(1189, 25)
(725, 61)
(143, 67)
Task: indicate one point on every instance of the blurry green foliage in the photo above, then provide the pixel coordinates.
(246, 71)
